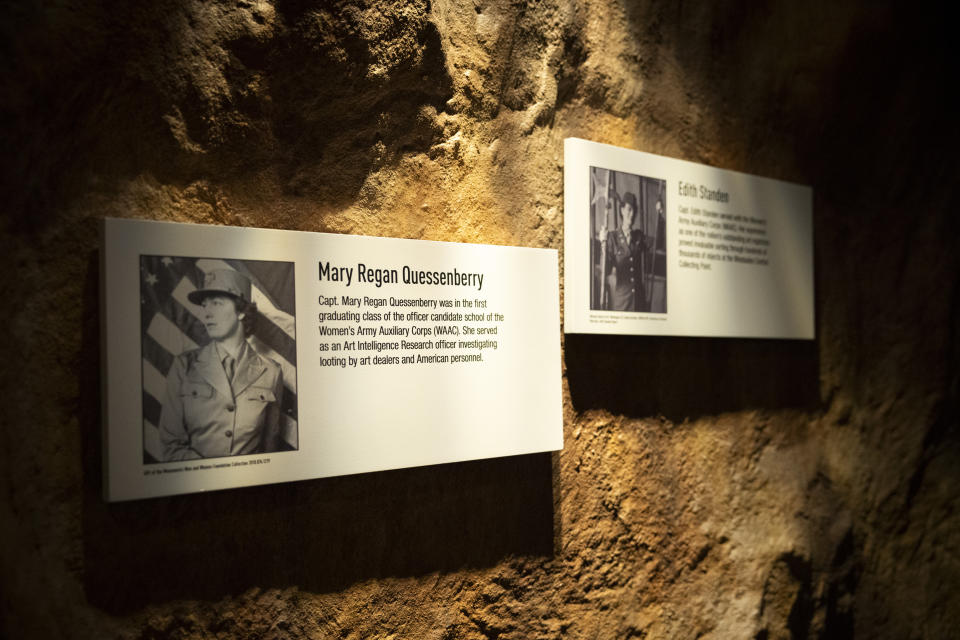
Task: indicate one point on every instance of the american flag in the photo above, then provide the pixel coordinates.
(170, 325)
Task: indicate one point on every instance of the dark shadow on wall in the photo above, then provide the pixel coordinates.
(336, 120)
(96, 94)
(319, 535)
(689, 377)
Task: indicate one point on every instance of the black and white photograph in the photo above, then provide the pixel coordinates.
(627, 242)
(218, 344)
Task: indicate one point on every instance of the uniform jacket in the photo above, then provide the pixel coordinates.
(626, 283)
(204, 417)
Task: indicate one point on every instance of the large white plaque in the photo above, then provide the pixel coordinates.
(660, 246)
(362, 354)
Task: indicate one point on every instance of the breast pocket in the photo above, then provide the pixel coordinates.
(199, 390)
(260, 394)
(199, 402)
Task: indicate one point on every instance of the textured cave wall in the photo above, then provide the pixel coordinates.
(707, 488)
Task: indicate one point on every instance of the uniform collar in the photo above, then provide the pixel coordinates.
(249, 367)
(222, 353)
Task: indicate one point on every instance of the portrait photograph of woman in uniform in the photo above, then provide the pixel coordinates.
(628, 242)
(219, 373)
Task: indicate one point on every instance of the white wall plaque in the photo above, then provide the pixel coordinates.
(659, 246)
(363, 354)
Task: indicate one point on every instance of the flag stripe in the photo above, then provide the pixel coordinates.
(159, 357)
(151, 408)
(277, 340)
(154, 382)
(289, 403)
(168, 335)
(288, 430)
(151, 441)
(284, 321)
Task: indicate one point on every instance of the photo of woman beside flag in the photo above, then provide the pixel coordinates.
(218, 341)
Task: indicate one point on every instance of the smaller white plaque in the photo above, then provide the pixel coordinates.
(358, 354)
(659, 246)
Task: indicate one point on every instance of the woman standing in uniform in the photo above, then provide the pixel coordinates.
(222, 399)
(623, 269)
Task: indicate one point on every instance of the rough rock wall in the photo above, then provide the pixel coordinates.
(707, 488)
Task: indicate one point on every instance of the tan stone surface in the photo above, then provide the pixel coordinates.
(714, 489)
